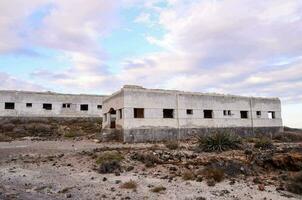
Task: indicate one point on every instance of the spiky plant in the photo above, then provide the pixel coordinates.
(219, 141)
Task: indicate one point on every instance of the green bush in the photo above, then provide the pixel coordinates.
(219, 141)
(264, 143)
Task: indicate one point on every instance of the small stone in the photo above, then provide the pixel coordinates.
(68, 195)
(105, 179)
(118, 181)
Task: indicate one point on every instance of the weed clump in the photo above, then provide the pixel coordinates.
(158, 189)
(129, 185)
(216, 174)
(218, 142)
(188, 175)
(172, 145)
(264, 143)
(147, 158)
(295, 184)
(109, 156)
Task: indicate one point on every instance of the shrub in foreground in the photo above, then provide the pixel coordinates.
(129, 185)
(216, 174)
(109, 156)
(219, 141)
(172, 145)
(188, 175)
(264, 143)
(295, 184)
(158, 189)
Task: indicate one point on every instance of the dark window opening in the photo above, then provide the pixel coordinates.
(208, 113)
(189, 112)
(244, 114)
(47, 106)
(120, 113)
(99, 106)
(168, 113)
(66, 105)
(227, 112)
(29, 105)
(271, 115)
(139, 113)
(84, 107)
(258, 113)
(9, 105)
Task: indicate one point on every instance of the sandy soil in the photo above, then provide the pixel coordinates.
(32, 170)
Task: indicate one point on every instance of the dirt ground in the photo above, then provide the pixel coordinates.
(67, 169)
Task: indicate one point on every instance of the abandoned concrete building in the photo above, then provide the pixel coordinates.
(49, 104)
(140, 114)
(137, 114)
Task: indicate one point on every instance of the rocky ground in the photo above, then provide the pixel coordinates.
(85, 169)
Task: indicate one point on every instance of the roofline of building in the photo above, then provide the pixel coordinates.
(139, 88)
(50, 93)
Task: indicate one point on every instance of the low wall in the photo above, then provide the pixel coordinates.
(17, 127)
(164, 134)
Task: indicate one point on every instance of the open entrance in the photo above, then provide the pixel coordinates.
(112, 118)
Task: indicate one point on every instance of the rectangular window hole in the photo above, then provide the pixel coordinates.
(139, 113)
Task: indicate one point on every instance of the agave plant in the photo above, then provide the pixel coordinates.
(219, 141)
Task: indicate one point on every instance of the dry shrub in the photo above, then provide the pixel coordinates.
(147, 158)
(295, 184)
(109, 156)
(288, 137)
(129, 185)
(111, 166)
(214, 173)
(73, 134)
(188, 175)
(172, 145)
(264, 143)
(158, 189)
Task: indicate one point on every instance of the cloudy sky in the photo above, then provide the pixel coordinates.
(244, 47)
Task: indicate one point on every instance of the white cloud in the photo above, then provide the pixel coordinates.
(225, 46)
(8, 82)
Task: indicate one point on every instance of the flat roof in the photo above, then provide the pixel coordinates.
(49, 93)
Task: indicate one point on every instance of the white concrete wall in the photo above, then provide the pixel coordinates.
(37, 99)
(116, 102)
(154, 101)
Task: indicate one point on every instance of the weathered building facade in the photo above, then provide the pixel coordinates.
(137, 114)
(140, 114)
(49, 104)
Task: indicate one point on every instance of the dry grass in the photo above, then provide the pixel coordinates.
(129, 185)
(158, 189)
(109, 156)
(172, 145)
(214, 173)
(295, 184)
(289, 137)
(188, 175)
(264, 143)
